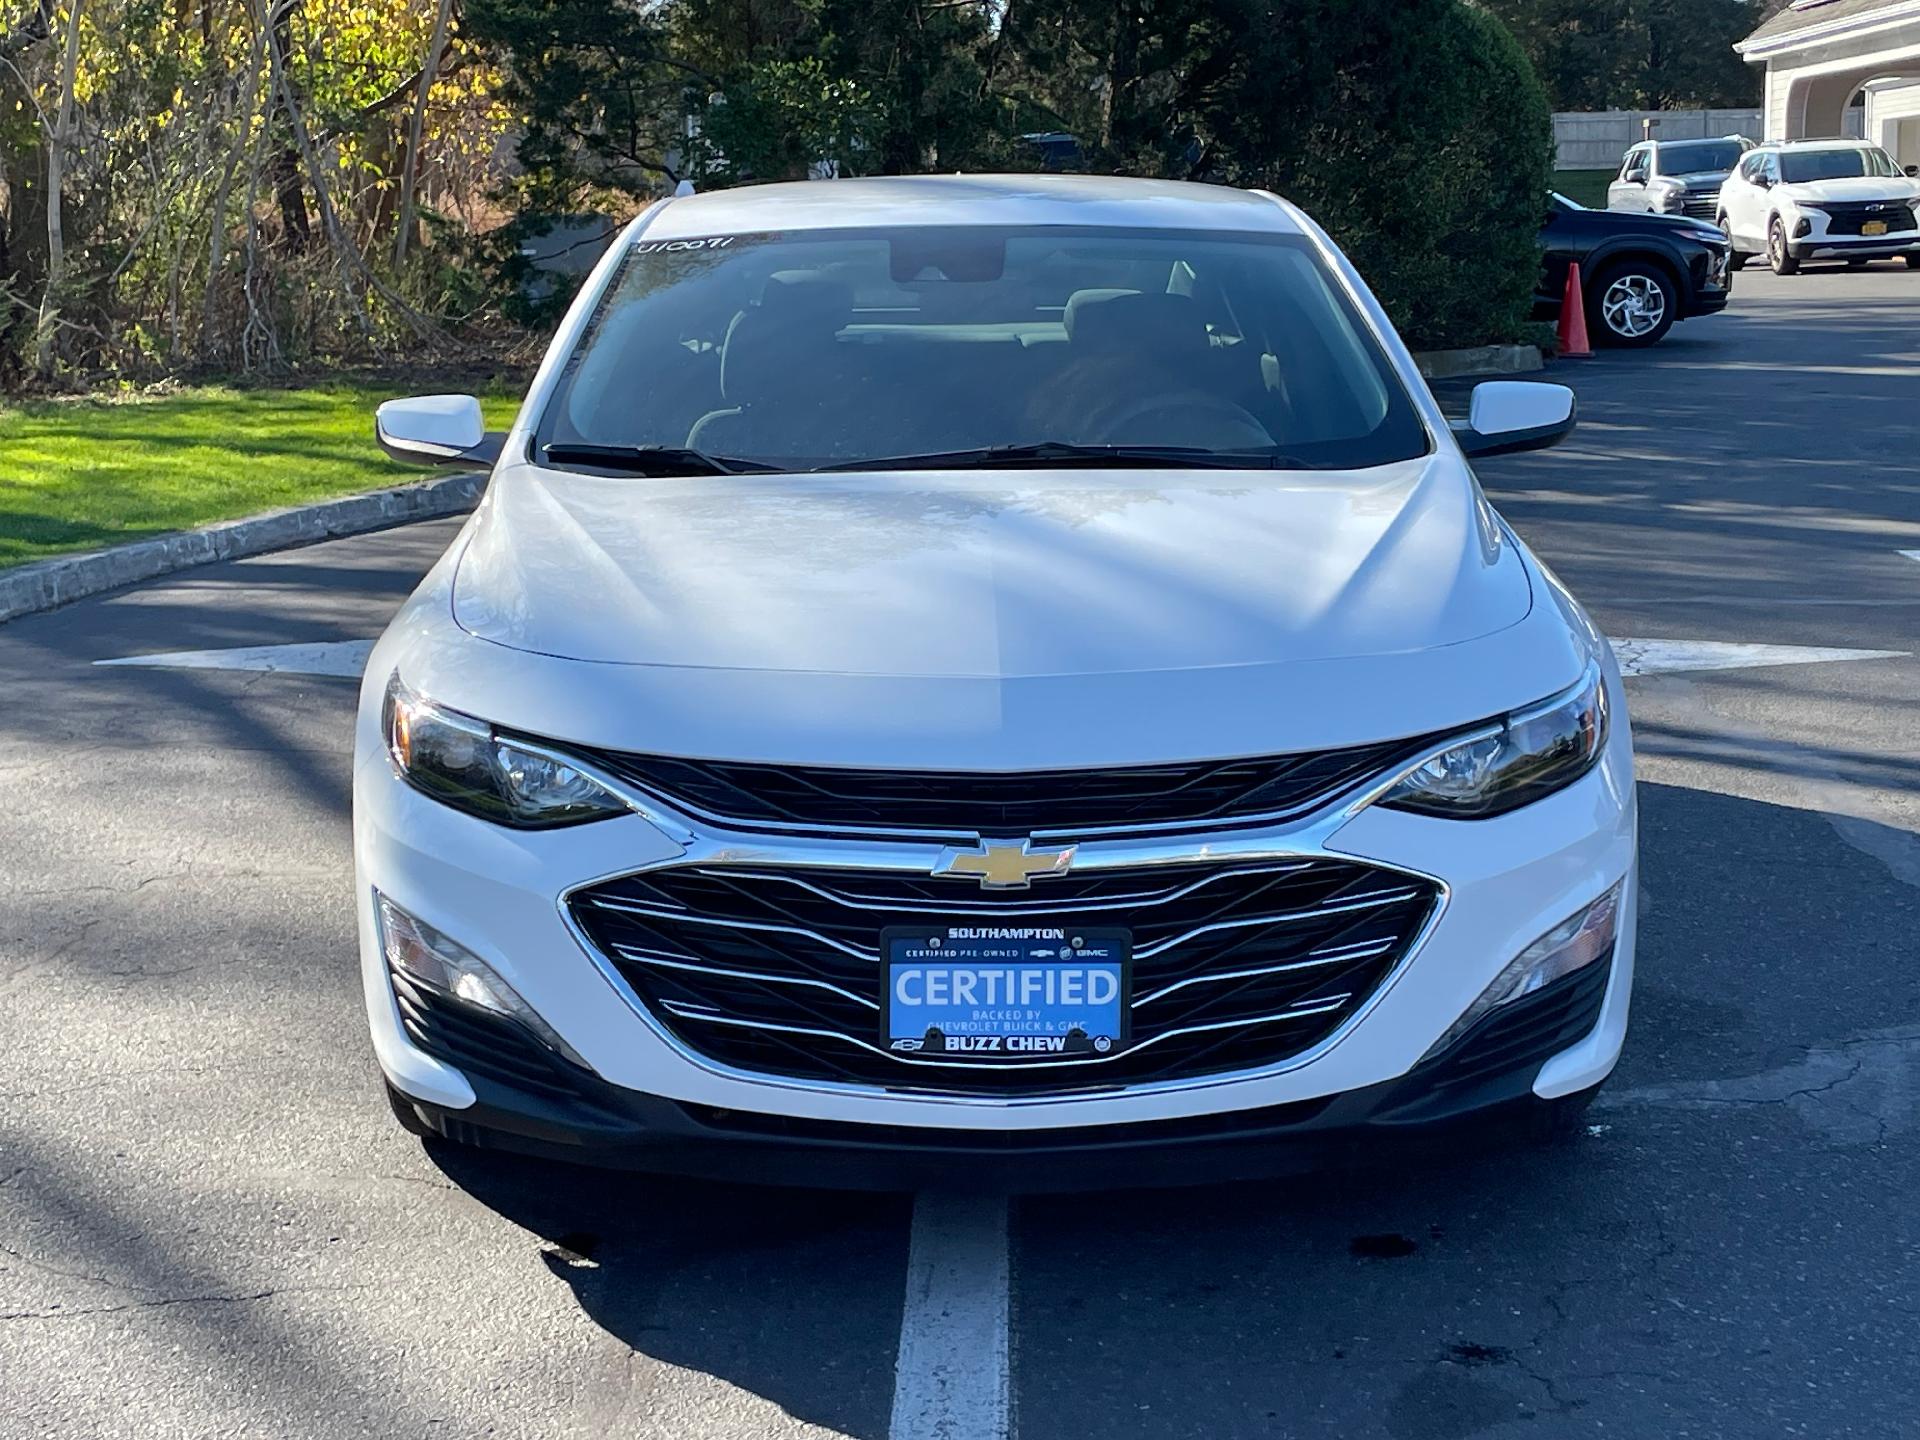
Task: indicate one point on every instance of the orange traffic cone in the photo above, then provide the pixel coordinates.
(1573, 319)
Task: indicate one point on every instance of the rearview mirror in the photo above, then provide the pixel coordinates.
(436, 430)
(1506, 416)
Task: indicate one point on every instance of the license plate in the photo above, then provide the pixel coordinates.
(1874, 227)
(1005, 993)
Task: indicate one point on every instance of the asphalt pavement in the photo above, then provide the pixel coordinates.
(210, 1225)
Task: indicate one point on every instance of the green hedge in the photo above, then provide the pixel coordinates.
(1417, 132)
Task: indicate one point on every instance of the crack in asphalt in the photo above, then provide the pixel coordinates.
(263, 1063)
(44, 1268)
(29, 967)
(170, 1300)
(1856, 1093)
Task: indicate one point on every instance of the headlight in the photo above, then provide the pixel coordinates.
(1531, 754)
(462, 761)
(1670, 199)
(1578, 941)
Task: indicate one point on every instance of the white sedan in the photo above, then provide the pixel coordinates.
(971, 670)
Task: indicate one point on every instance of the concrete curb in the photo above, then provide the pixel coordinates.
(48, 584)
(1480, 360)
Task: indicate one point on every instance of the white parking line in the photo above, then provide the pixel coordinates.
(1911, 554)
(954, 1379)
(1661, 657)
(346, 658)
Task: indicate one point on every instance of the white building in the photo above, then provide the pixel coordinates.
(1820, 54)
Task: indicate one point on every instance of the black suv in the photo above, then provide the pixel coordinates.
(1638, 273)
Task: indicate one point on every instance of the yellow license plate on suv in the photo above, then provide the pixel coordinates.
(1874, 227)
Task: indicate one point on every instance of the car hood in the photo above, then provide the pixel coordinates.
(1857, 187)
(1642, 222)
(1700, 179)
(993, 574)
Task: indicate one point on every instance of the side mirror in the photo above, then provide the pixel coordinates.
(1912, 172)
(1506, 416)
(436, 430)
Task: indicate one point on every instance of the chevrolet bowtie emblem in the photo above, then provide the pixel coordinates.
(1005, 864)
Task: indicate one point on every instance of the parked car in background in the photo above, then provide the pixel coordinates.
(1638, 273)
(1676, 177)
(1820, 200)
(1124, 745)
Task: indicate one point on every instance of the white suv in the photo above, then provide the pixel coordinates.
(1820, 200)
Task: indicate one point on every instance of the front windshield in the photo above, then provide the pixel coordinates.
(842, 348)
(1799, 166)
(1694, 157)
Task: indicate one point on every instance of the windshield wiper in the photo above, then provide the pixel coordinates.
(1059, 452)
(662, 460)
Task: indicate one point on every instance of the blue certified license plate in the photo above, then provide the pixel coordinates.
(1011, 993)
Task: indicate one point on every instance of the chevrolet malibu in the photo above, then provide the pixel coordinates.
(965, 670)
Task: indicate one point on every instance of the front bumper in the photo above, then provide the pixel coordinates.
(1479, 1092)
(1508, 881)
(1854, 247)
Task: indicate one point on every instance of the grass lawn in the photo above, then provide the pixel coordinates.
(76, 475)
(1584, 187)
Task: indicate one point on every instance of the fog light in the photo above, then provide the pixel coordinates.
(426, 957)
(1575, 943)
(1803, 229)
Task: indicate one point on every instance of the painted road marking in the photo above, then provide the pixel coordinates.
(1663, 657)
(1911, 554)
(348, 658)
(954, 1376)
(345, 658)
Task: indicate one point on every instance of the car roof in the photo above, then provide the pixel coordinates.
(1830, 144)
(1051, 199)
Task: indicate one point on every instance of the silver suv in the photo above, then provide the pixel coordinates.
(1676, 177)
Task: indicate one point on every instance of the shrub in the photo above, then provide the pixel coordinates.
(1417, 132)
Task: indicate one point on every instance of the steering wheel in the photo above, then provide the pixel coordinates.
(1189, 417)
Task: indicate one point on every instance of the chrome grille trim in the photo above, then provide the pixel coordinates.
(1012, 905)
(680, 962)
(1318, 960)
(694, 917)
(685, 916)
(714, 1017)
(1361, 902)
(1303, 838)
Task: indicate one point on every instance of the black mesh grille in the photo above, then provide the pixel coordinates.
(921, 802)
(1233, 967)
(1850, 218)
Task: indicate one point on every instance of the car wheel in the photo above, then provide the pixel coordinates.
(1913, 261)
(1778, 258)
(1632, 304)
(1736, 257)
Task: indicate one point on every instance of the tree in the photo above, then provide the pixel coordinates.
(1418, 134)
(1636, 54)
(416, 125)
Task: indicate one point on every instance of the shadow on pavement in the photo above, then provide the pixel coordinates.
(792, 1295)
(1725, 1250)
